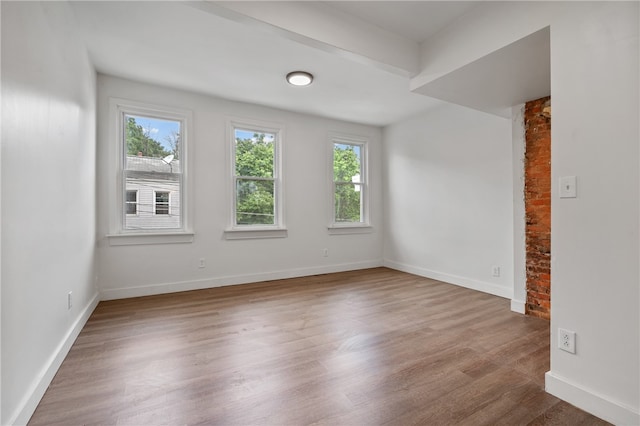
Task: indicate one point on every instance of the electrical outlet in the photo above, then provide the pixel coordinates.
(69, 300)
(495, 271)
(567, 340)
(201, 263)
(325, 252)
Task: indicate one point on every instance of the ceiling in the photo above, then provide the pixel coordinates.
(362, 54)
(415, 20)
(514, 74)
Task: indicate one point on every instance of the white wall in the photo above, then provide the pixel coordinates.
(595, 238)
(48, 201)
(126, 271)
(519, 222)
(448, 198)
(595, 136)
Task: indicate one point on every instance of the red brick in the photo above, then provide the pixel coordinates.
(537, 198)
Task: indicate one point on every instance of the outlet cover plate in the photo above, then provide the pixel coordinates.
(567, 340)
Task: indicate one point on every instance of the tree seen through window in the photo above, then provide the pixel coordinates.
(255, 177)
(347, 172)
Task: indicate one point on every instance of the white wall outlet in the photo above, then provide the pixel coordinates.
(325, 252)
(202, 263)
(495, 271)
(69, 300)
(567, 340)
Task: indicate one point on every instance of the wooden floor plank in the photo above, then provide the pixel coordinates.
(367, 347)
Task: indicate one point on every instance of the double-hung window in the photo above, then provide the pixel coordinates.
(256, 178)
(349, 186)
(151, 185)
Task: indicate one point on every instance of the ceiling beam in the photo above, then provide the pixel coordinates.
(323, 27)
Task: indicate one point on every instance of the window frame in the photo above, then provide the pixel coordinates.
(364, 225)
(118, 233)
(278, 228)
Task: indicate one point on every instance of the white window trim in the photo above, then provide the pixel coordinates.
(241, 232)
(118, 235)
(342, 228)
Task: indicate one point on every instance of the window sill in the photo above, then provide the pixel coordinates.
(350, 229)
(254, 233)
(155, 238)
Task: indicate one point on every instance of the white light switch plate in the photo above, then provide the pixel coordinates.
(568, 187)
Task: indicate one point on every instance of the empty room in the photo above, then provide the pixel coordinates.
(320, 212)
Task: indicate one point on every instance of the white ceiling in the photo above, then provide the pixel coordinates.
(243, 50)
(415, 20)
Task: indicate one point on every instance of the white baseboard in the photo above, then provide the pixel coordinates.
(30, 401)
(518, 306)
(590, 401)
(148, 290)
(452, 279)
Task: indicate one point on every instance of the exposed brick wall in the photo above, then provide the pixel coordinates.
(537, 199)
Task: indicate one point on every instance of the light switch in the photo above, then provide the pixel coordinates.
(568, 187)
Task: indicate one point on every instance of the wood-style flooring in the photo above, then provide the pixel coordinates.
(369, 347)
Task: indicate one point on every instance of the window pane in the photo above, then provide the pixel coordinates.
(152, 137)
(255, 202)
(162, 203)
(153, 210)
(132, 200)
(347, 160)
(348, 202)
(254, 153)
(152, 170)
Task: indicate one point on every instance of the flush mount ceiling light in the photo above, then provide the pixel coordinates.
(300, 78)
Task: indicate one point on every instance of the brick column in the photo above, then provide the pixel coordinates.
(537, 198)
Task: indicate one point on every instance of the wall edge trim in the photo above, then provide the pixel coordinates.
(518, 306)
(38, 387)
(174, 287)
(590, 401)
(485, 287)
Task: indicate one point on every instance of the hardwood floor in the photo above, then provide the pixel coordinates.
(366, 347)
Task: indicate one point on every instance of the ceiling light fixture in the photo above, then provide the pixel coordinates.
(300, 78)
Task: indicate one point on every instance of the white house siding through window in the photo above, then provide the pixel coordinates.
(152, 193)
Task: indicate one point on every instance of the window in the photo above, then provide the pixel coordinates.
(148, 185)
(162, 203)
(152, 150)
(132, 202)
(349, 189)
(151, 158)
(256, 178)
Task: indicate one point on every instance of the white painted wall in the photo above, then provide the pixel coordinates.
(48, 201)
(448, 205)
(147, 269)
(519, 222)
(595, 136)
(595, 238)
